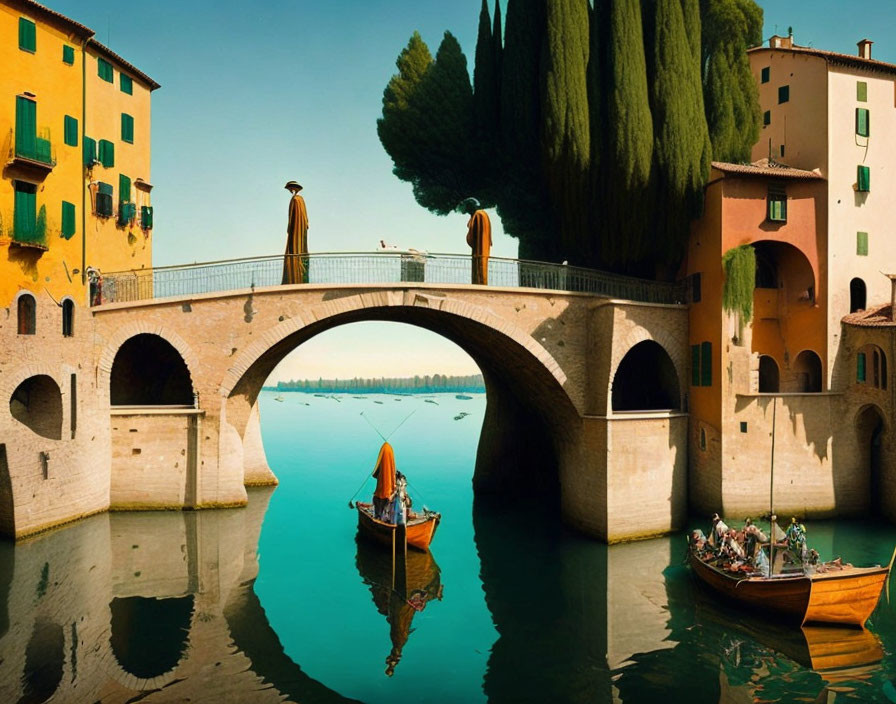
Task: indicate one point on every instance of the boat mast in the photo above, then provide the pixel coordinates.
(771, 493)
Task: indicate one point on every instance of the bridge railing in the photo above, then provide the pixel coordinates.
(388, 268)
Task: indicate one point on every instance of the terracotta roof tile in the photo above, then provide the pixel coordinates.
(833, 57)
(876, 317)
(764, 167)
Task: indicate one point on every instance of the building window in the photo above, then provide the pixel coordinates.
(124, 188)
(104, 69)
(862, 244)
(89, 152)
(68, 220)
(767, 118)
(696, 287)
(27, 314)
(26, 127)
(24, 217)
(68, 318)
(860, 368)
(863, 179)
(126, 84)
(863, 122)
(701, 364)
(146, 217)
(871, 367)
(106, 153)
(782, 150)
(68, 54)
(104, 200)
(127, 128)
(27, 35)
(777, 204)
(861, 91)
(743, 426)
(783, 94)
(769, 376)
(71, 131)
(858, 294)
(766, 73)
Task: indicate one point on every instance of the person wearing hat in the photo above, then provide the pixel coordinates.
(295, 267)
(479, 237)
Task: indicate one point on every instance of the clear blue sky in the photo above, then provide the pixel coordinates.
(256, 94)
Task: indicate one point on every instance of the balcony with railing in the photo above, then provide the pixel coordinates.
(34, 152)
(384, 268)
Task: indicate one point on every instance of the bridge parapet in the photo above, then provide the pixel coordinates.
(389, 267)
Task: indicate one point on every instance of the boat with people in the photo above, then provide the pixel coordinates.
(389, 518)
(778, 573)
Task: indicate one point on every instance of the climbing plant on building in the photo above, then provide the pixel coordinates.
(739, 264)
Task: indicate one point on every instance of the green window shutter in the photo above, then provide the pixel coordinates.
(124, 188)
(706, 364)
(860, 368)
(766, 72)
(68, 54)
(783, 94)
(107, 153)
(862, 91)
(71, 131)
(27, 35)
(89, 151)
(104, 199)
(127, 128)
(862, 244)
(126, 84)
(26, 127)
(68, 219)
(104, 69)
(863, 122)
(777, 208)
(863, 179)
(146, 217)
(695, 365)
(25, 213)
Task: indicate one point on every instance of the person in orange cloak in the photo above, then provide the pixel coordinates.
(385, 480)
(294, 267)
(479, 237)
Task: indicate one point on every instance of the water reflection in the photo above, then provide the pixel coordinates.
(401, 588)
(151, 606)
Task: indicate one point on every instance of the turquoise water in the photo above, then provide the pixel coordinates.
(279, 601)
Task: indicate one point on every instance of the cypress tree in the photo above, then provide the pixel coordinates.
(523, 204)
(566, 144)
(498, 43)
(692, 26)
(485, 107)
(731, 96)
(629, 136)
(680, 162)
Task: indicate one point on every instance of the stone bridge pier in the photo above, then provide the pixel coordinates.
(585, 394)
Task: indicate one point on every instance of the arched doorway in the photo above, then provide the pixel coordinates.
(149, 636)
(857, 295)
(870, 432)
(37, 404)
(808, 373)
(646, 380)
(149, 371)
(769, 377)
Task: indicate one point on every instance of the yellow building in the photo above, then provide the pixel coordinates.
(75, 154)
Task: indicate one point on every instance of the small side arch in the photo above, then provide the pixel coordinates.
(858, 293)
(808, 372)
(769, 375)
(26, 314)
(646, 380)
(68, 317)
(149, 371)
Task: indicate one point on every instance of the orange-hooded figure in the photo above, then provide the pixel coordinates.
(385, 473)
(479, 237)
(294, 269)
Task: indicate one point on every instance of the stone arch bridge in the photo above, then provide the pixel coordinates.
(585, 388)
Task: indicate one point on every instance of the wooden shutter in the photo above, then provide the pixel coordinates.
(71, 131)
(126, 84)
(862, 91)
(26, 127)
(68, 219)
(146, 217)
(107, 153)
(89, 151)
(25, 212)
(863, 122)
(68, 54)
(864, 179)
(862, 244)
(127, 128)
(124, 188)
(706, 364)
(783, 94)
(766, 74)
(27, 35)
(104, 69)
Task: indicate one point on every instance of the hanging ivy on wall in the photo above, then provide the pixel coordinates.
(740, 280)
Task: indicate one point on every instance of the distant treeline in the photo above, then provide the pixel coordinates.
(411, 384)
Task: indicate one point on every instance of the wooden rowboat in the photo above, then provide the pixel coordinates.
(846, 596)
(421, 527)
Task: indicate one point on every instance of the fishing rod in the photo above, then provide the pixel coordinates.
(385, 439)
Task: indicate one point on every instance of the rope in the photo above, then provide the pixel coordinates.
(350, 504)
(375, 429)
(400, 424)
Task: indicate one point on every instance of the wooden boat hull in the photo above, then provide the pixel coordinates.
(846, 597)
(420, 531)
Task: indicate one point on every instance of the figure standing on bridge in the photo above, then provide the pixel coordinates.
(479, 237)
(295, 262)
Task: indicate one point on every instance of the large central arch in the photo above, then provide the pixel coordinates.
(528, 414)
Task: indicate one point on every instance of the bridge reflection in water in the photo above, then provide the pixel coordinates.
(161, 607)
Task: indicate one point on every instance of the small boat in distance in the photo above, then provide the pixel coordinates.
(463, 397)
(388, 519)
(279, 398)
